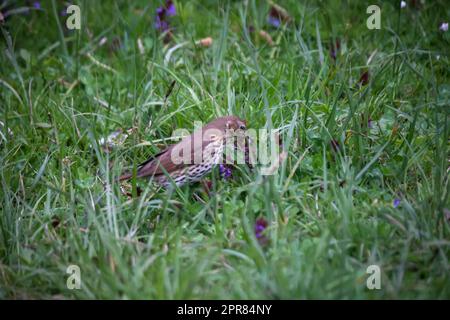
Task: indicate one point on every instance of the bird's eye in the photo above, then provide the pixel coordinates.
(242, 127)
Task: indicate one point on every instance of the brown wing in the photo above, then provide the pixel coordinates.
(151, 166)
(154, 166)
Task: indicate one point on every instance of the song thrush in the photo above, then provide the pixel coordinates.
(194, 156)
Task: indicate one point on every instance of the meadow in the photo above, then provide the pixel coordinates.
(363, 115)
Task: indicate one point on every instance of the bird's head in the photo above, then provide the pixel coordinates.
(235, 123)
(224, 127)
(228, 123)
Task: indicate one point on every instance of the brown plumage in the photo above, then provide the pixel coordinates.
(205, 149)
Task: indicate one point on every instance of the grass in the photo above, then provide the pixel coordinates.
(352, 150)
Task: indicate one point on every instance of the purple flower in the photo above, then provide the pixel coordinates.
(160, 20)
(260, 227)
(225, 171)
(274, 21)
(37, 5)
(170, 8)
(162, 13)
(396, 202)
(370, 123)
(161, 24)
(277, 15)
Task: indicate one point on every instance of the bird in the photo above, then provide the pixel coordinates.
(194, 156)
